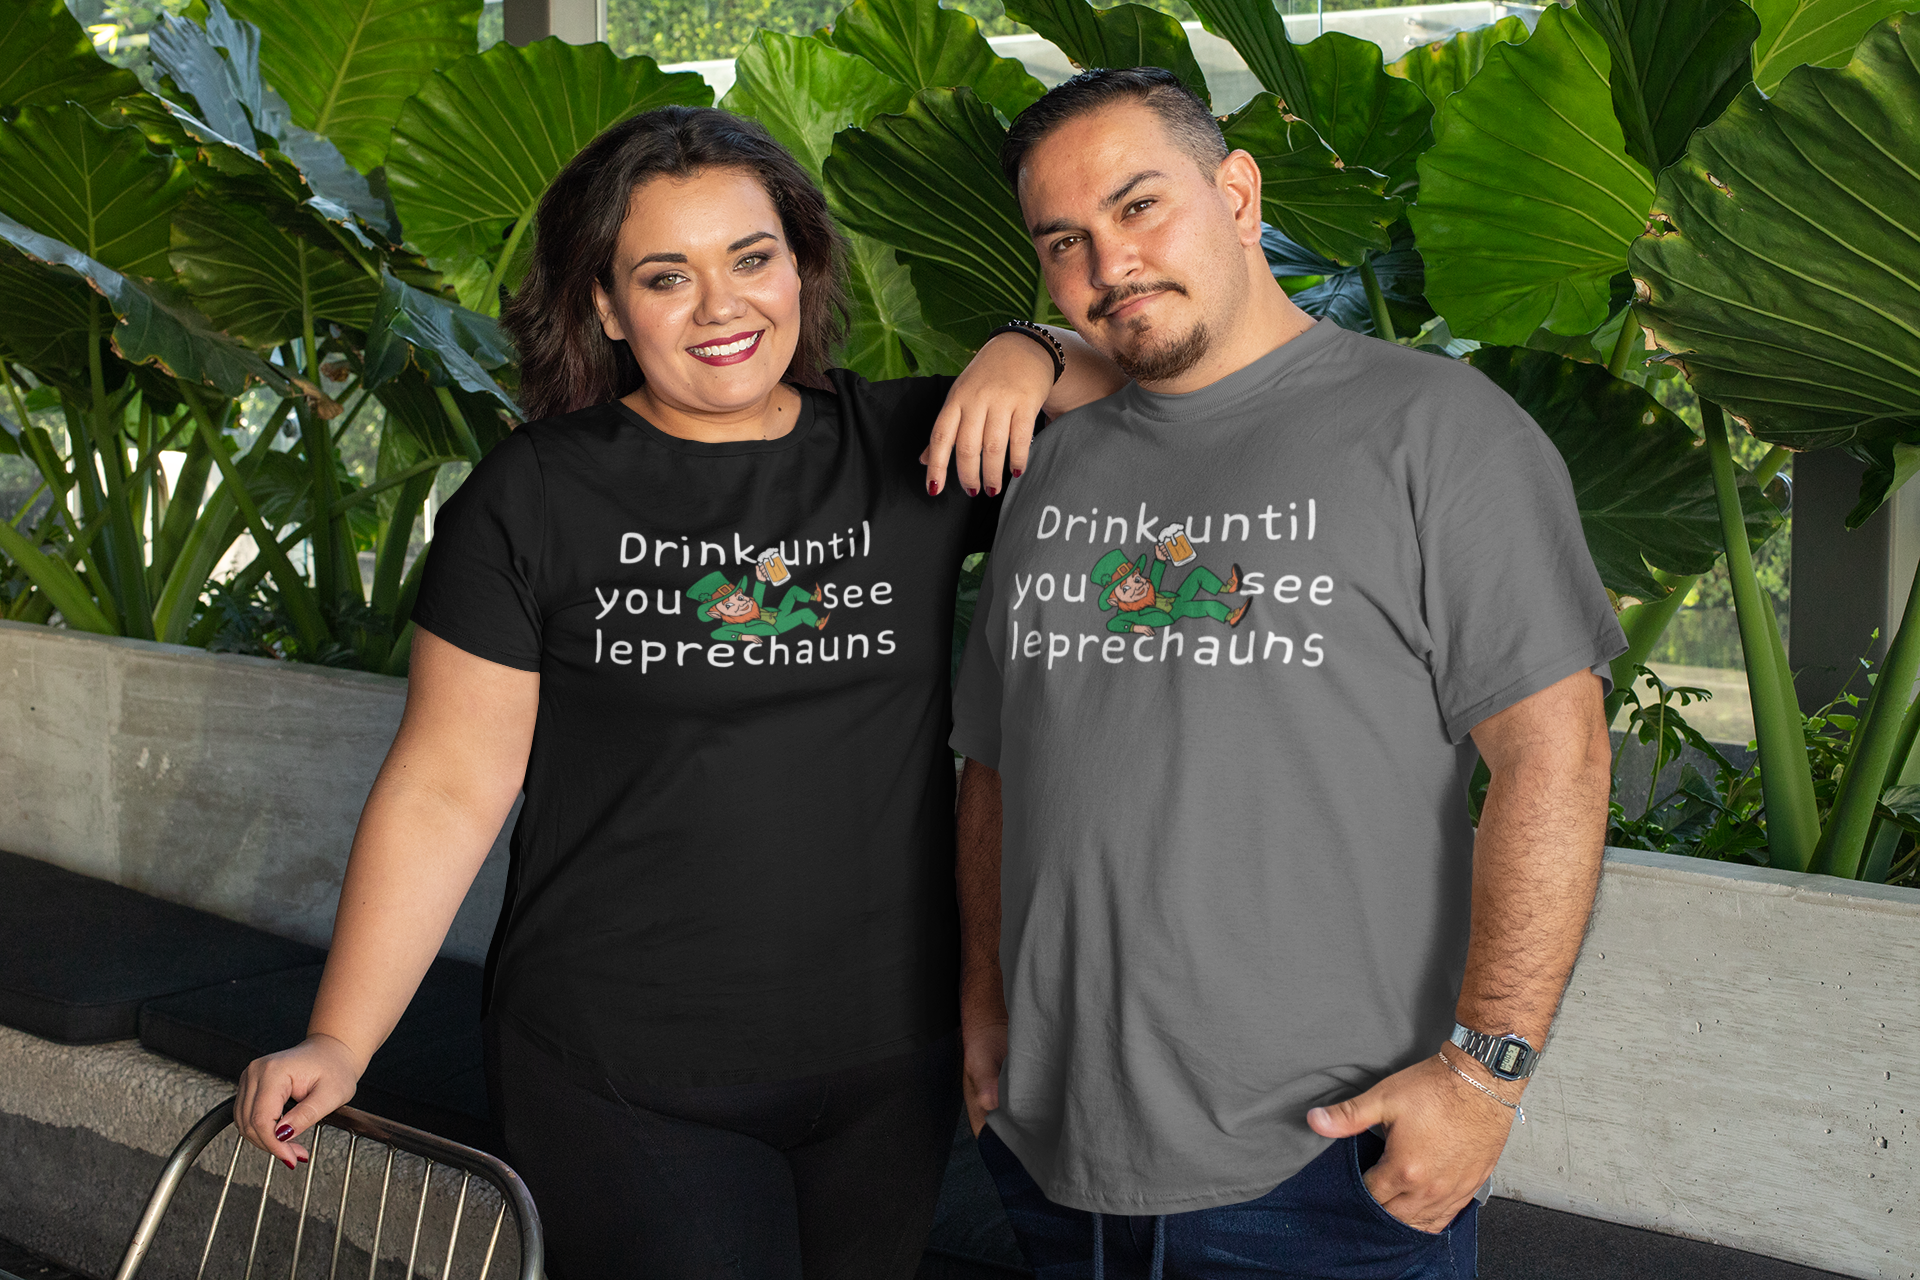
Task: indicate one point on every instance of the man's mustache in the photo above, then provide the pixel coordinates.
(1119, 295)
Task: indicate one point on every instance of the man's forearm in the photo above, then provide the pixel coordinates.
(977, 879)
(1536, 864)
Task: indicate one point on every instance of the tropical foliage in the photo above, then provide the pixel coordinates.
(1627, 205)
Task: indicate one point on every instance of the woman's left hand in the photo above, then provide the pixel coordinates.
(987, 422)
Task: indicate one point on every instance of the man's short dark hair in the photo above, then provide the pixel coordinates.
(1186, 118)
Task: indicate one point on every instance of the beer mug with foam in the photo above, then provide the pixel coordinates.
(1173, 541)
(775, 565)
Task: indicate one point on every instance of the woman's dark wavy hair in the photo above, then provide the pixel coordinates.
(566, 361)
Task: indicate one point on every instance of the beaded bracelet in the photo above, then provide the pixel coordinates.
(1040, 335)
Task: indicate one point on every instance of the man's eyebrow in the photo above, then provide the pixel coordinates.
(735, 247)
(1057, 225)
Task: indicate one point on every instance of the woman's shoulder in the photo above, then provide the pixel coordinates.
(889, 401)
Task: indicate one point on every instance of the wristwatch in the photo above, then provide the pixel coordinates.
(1509, 1057)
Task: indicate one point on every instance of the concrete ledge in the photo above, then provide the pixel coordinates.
(223, 782)
(1736, 1062)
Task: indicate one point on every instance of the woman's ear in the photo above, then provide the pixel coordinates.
(609, 322)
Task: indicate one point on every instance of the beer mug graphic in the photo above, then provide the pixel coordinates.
(1173, 541)
(776, 566)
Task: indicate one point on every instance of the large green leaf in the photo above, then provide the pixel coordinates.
(1783, 269)
(1335, 83)
(928, 183)
(452, 345)
(44, 322)
(1256, 31)
(1126, 35)
(345, 67)
(1445, 66)
(97, 188)
(1527, 197)
(925, 45)
(46, 58)
(475, 149)
(1368, 117)
(1305, 190)
(890, 336)
(151, 328)
(1675, 65)
(805, 91)
(257, 280)
(1640, 479)
(223, 85)
(1822, 33)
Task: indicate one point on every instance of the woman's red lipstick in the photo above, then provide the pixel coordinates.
(729, 350)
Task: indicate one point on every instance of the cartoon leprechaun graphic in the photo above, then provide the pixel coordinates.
(1132, 589)
(744, 617)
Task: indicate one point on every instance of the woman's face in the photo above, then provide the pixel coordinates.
(705, 292)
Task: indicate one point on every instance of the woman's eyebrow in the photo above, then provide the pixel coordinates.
(735, 247)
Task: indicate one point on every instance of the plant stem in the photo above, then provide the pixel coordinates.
(1786, 780)
(307, 620)
(1645, 623)
(1623, 345)
(1376, 300)
(490, 305)
(458, 421)
(1904, 769)
(1873, 751)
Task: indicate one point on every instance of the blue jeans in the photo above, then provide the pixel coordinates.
(1320, 1224)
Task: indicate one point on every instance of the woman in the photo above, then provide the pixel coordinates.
(701, 612)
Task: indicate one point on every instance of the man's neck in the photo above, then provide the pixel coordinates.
(1269, 321)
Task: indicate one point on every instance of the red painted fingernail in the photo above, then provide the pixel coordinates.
(992, 492)
(284, 1132)
(1016, 473)
(972, 493)
(288, 1163)
(933, 489)
(301, 1159)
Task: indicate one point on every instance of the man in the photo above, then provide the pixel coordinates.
(1211, 979)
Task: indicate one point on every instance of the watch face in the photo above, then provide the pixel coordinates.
(1506, 1061)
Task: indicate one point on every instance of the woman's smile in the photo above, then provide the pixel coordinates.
(731, 350)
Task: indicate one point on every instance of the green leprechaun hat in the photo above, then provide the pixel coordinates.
(711, 590)
(1114, 568)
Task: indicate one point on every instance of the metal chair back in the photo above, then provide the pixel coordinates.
(339, 1141)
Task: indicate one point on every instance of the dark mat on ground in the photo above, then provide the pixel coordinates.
(17, 1263)
(79, 956)
(429, 1074)
(1526, 1242)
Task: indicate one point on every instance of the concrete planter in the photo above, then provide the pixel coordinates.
(1736, 1061)
(223, 782)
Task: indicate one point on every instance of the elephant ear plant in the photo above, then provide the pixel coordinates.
(231, 238)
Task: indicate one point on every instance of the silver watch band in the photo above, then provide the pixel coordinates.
(1509, 1057)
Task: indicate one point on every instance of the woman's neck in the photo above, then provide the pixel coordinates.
(768, 419)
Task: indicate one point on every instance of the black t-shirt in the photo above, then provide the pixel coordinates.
(735, 859)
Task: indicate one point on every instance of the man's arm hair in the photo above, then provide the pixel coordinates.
(977, 879)
(1537, 855)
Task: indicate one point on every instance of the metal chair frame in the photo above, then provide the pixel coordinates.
(356, 1125)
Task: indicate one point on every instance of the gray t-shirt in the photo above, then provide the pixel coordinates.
(1236, 861)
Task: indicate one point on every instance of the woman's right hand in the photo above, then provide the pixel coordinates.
(318, 1074)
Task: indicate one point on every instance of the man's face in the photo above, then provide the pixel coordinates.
(1139, 248)
(734, 606)
(1134, 589)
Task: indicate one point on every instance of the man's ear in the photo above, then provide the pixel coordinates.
(1238, 180)
(609, 322)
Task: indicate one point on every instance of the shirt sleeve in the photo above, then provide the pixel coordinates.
(478, 591)
(976, 694)
(1513, 603)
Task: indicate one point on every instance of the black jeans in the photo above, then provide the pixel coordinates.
(831, 1177)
